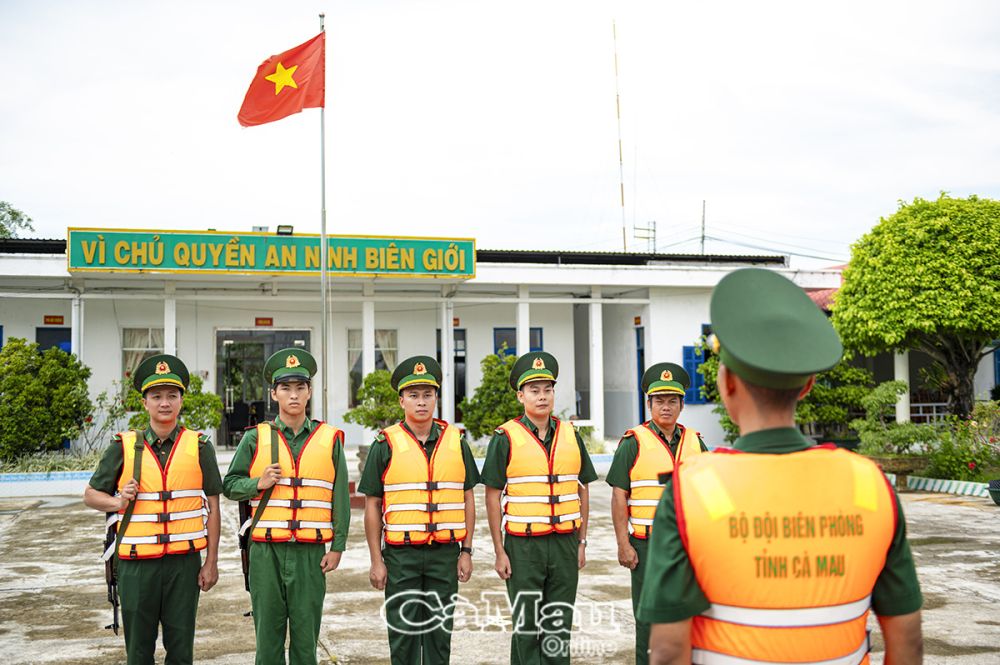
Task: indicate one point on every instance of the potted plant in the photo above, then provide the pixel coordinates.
(899, 448)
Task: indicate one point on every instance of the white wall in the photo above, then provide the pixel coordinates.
(21, 316)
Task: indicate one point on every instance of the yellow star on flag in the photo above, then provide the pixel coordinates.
(282, 77)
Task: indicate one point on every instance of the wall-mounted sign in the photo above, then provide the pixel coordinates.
(107, 250)
(637, 320)
(455, 322)
(53, 320)
(263, 321)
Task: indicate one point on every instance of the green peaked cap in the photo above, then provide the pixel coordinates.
(290, 365)
(534, 366)
(416, 371)
(161, 370)
(769, 332)
(665, 378)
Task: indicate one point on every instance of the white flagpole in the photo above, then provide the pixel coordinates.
(324, 333)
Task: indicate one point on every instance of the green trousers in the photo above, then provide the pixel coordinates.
(157, 592)
(542, 590)
(287, 588)
(641, 627)
(419, 607)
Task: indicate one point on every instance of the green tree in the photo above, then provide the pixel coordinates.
(201, 411)
(378, 404)
(928, 279)
(43, 398)
(826, 411)
(13, 220)
(493, 403)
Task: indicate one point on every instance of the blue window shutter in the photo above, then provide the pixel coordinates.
(692, 359)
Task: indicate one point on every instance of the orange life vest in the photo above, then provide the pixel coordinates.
(170, 513)
(300, 507)
(542, 492)
(424, 498)
(653, 459)
(787, 549)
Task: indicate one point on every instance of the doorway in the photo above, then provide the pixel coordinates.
(246, 397)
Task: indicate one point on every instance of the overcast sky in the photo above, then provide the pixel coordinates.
(800, 123)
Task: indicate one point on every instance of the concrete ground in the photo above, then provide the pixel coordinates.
(53, 605)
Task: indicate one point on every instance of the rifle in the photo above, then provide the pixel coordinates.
(114, 534)
(249, 518)
(110, 571)
(244, 538)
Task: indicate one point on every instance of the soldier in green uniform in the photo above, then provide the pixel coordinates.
(771, 341)
(545, 522)
(420, 516)
(289, 557)
(664, 385)
(161, 573)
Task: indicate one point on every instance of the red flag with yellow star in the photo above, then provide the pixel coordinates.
(287, 83)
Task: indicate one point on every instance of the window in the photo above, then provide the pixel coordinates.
(139, 344)
(508, 336)
(692, 359)
(385, 358)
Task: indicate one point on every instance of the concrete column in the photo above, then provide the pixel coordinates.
(901, 366)
(367, 332)
(597, 363)
(447, 394)
(170, 325)
(523, 321)
(76, 328)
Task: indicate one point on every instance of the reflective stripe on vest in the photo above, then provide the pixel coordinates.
(424, 498)
(804, 537)
(171, 513)
(653, 457)
(301, 505)
(857, 657)
(542, 492)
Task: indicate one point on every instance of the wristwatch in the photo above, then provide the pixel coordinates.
(583, 541)
(465, 550)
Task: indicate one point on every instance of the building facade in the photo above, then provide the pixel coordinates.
(605, 316)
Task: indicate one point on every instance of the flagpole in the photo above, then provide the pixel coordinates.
(324, 344)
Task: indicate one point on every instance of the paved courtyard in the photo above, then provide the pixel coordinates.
(53, 606)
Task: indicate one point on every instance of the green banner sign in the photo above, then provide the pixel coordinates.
(106, 250)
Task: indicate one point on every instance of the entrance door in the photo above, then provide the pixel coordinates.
(246, 395)
(640, 363)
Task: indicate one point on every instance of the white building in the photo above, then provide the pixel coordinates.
(603, 315)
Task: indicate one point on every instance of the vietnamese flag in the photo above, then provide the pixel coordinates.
(287, 83)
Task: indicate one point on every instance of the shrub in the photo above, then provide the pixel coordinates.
(106, 418)
(43, 398)
(378, 404)
(882, 436)
(957, 456)
(493, 403)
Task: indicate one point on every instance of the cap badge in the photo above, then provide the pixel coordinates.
(666, 375)
(538, 364)
(162, 368)
(419, 369)
(713, 343)
(292, 361)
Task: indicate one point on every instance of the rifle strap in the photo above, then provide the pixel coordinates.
(139, 445)
(259, 512)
